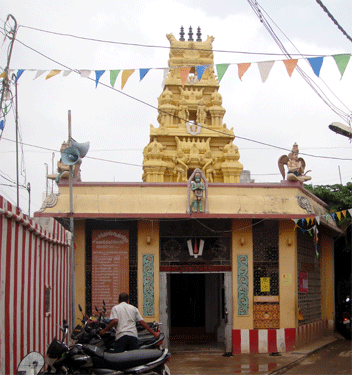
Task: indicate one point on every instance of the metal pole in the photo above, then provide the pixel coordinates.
(29, 199)
(340, 175)
(16, 121)
(52, 166)
(72, 228)
(47, 171)
(5, 82)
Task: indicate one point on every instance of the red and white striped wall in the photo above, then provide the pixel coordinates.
(312, 331)
(32, 259)
(278, 340)
(263, 340)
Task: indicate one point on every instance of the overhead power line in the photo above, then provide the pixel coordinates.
(346, 116)
(334, 20)
(156, 46)
(175, 116)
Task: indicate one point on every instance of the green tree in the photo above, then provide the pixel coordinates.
(338, 197)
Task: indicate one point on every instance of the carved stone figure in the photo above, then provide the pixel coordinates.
(181, 167)
(208, 167)
(197, 186)
(183, 112)
(201, 112)
(295, 166)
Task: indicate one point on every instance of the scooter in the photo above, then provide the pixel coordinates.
(90, 359)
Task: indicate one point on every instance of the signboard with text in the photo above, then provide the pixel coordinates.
(110, 266)
(303, 282)
(265, 284)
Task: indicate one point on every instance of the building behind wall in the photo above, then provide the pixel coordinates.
(234, 269)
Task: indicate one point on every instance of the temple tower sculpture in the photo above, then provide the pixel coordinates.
(191, 132)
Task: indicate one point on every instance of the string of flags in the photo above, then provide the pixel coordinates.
(264, 67)
(310, 220)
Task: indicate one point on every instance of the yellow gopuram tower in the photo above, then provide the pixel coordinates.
(191, 132)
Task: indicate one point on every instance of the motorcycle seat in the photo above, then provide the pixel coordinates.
(120, 361)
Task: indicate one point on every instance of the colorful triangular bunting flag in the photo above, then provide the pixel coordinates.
(85, 73)
(316, 64)
(39, 73)
(113, 76)
(53, 73)
(165, 74)
(184, 72)
(98, 74)
(200, 70)
(18, 75)
(126, 74)
(242, 68)
(264, 69)
(341, 62)
(221, 70)
(290, 65)
(142, 73)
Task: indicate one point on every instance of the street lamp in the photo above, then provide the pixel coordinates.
(342, 129)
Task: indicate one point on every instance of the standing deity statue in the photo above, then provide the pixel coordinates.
(197, 186)
(208, 167)
(201, 112)
(180, 160)
(183, 112)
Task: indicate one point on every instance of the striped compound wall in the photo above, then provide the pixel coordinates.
(278, 340)
(35, 274)
(263, 340)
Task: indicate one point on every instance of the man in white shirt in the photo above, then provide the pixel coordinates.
(124, 317)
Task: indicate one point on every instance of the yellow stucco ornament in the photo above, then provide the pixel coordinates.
(191, 133)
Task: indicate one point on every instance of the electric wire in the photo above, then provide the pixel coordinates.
(304, 57)
(154, 46)
(175, 116)
(257, 9)
(333, 20)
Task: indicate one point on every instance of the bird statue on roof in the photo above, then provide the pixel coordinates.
(295, 166)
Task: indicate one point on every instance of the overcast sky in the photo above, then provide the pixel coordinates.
(279, 112)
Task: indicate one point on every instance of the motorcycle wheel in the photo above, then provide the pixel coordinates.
(162, 370)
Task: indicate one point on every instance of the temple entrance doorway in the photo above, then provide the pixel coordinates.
(197, 311)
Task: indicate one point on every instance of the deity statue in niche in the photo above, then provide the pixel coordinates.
(197, 187)
(295, 166)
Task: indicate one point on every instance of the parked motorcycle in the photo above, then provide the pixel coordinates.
(88, 333)
(343, 318)
(91, 359)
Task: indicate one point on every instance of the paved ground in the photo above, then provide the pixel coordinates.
(333, 359)
(211, 361)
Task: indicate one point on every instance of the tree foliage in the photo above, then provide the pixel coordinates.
(338, 197)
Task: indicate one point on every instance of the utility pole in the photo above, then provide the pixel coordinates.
(72, 226)
(5, 82)
(16, 120)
